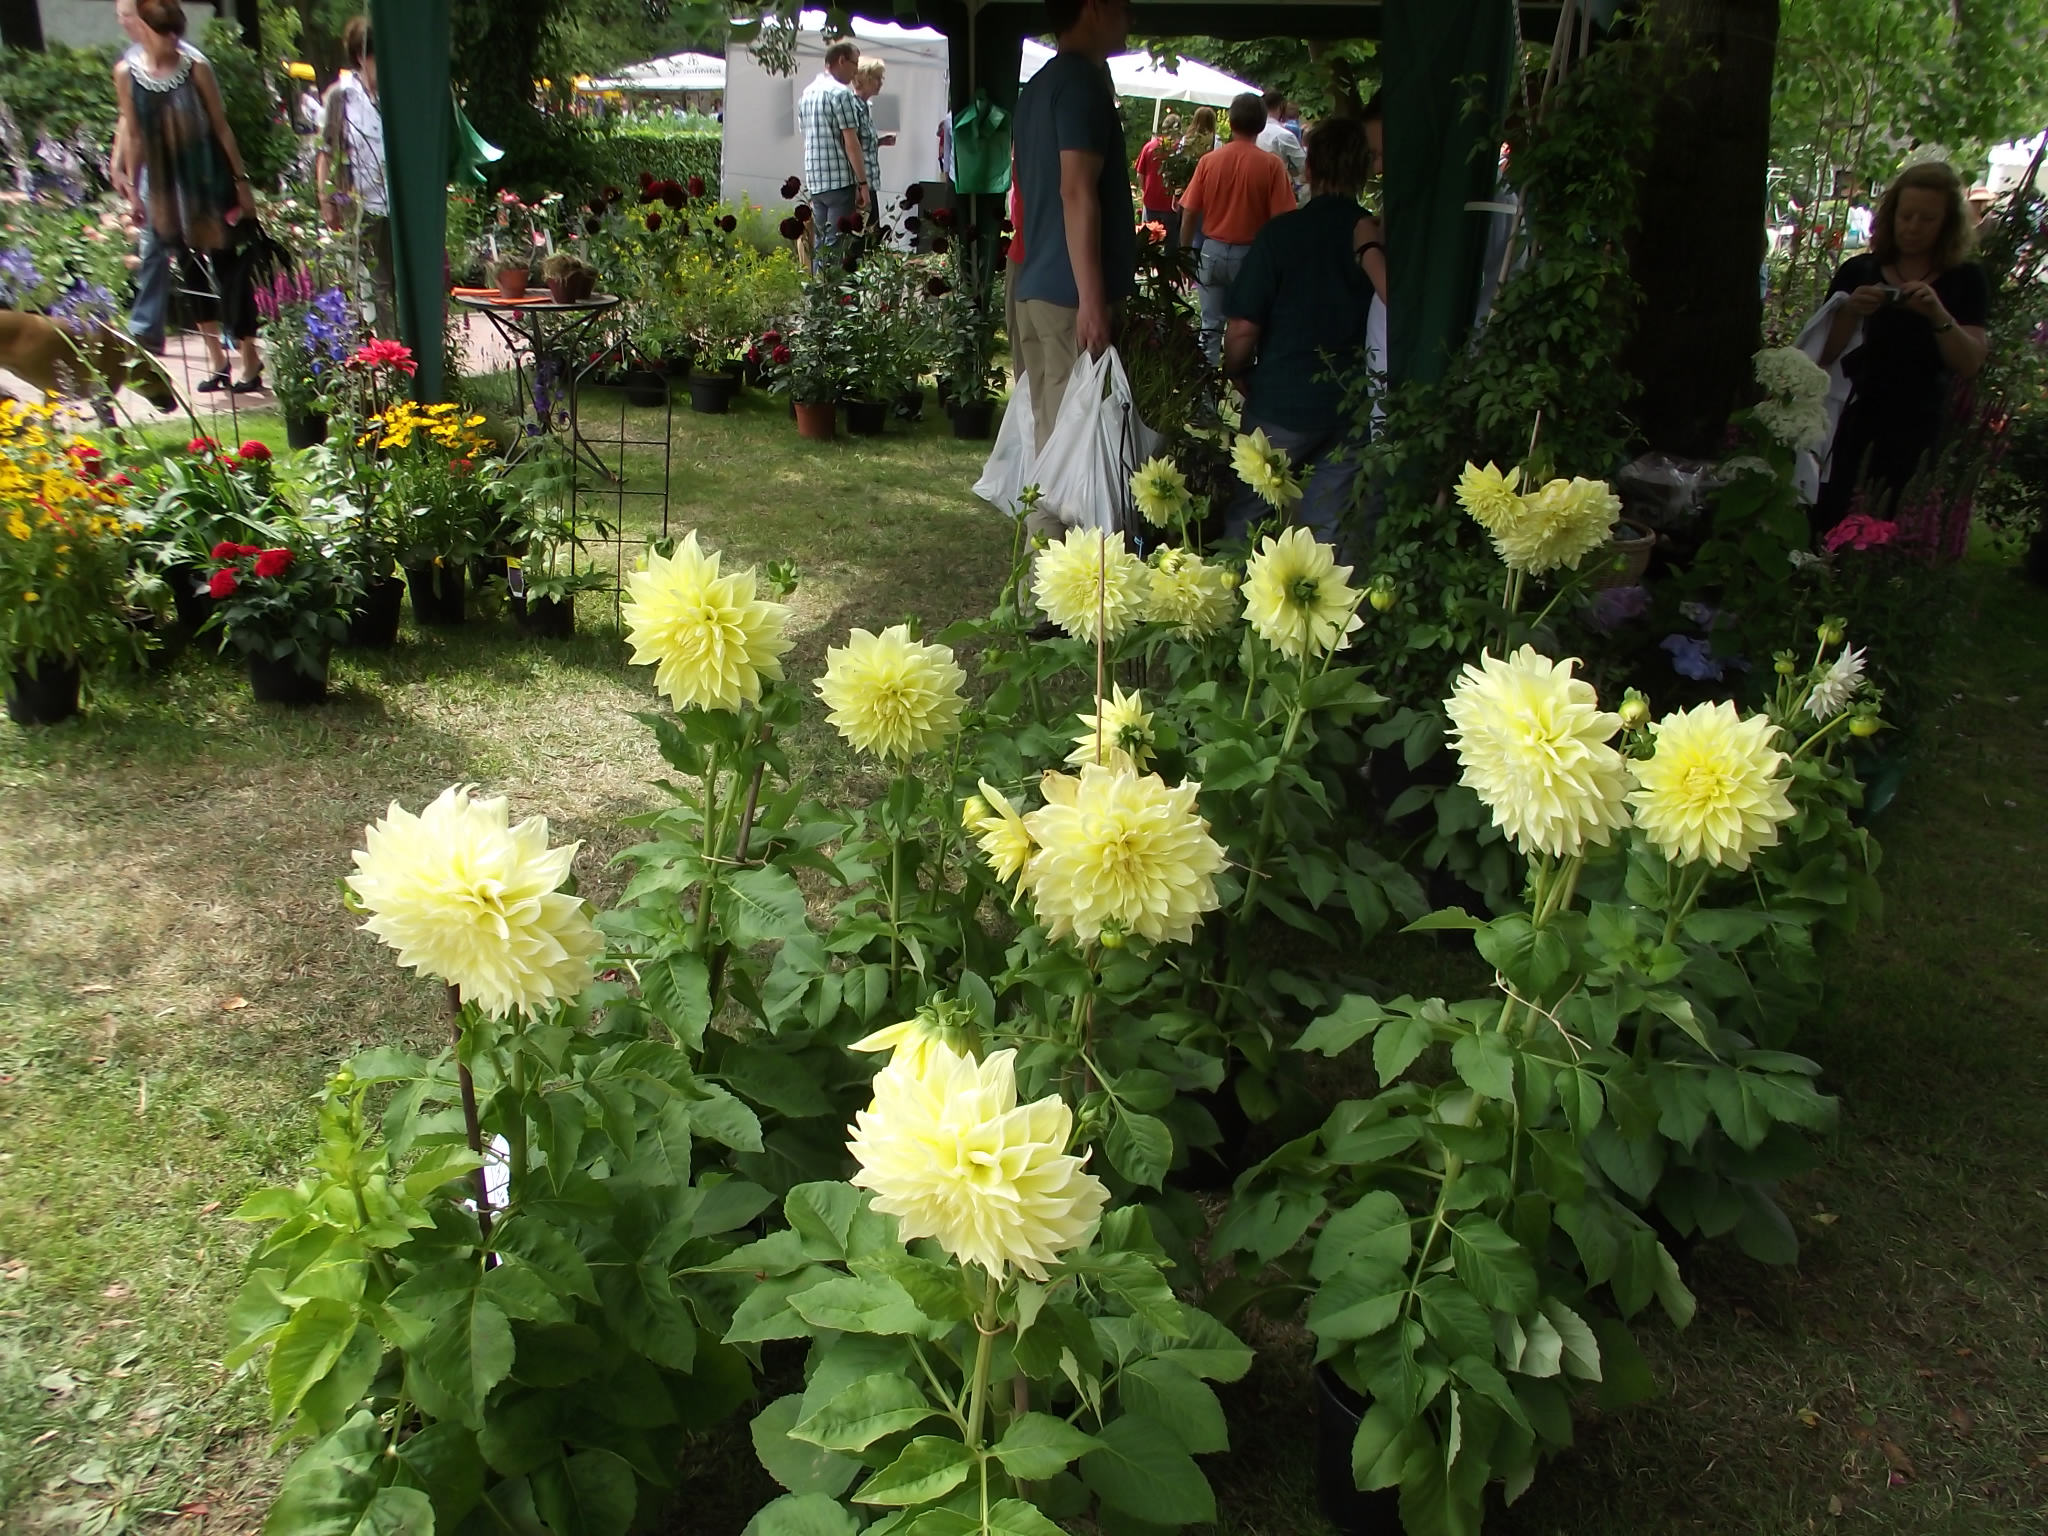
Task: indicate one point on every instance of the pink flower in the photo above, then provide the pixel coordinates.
(1859, 530)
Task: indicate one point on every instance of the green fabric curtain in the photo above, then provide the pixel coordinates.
(1448, 65)
(412, 86)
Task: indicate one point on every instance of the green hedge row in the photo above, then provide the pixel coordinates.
(620, 156)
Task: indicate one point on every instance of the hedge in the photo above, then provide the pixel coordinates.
(624, 153)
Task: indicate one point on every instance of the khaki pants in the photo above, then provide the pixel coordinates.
(1046, 350)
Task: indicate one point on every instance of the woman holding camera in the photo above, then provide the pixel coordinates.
(1921, 305)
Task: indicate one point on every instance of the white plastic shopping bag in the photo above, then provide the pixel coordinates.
(1014, 459)
(1084, 471)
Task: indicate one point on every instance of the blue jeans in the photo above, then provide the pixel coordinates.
(1215, 270)
(827, 209)
(1329, 461)
(148, 314)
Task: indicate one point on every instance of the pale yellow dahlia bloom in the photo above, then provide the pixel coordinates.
(909, 1044)
(1265, 469)
(711, 640)
(1534, 744)
(1196, 598)
(1715, 789)
(1121, 852)
(1001, 834)
(1298, 597)
(1559, 525)
(891, 695)
(1125, 728)
(1085, 582)
(949, 1152)
(1160, 491)
(1489, 496)
(463, 895)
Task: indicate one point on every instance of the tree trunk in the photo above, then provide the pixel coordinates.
(1699, 253)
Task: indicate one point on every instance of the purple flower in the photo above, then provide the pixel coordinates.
(17, 273)
(1615, 606)
(83, 301)
(1699, 613)
(330, 329)
(1693, 658)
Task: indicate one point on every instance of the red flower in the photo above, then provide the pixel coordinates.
(120, 480)
(912, 193)
(1859, 530)
(943, 217)
(728, 223)
(649, 193)
(646, 180)
(461, 466)
(696, 186)
(780, 355)
(229, 462)
(273, 562)
(941, 245)
(225, 550)
(846, 301)
(609, 195)
(791, 187)
(937, 288)
(802, 211)
(386, 354)
(255, 450)
(221, 584)
(792, 229)
(201, 445)
(770, 338)
(671, 194)
(754, 355)
(653, 223)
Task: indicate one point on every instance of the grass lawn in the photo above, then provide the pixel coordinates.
(177, 975)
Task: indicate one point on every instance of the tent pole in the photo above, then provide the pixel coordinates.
(1158, 106)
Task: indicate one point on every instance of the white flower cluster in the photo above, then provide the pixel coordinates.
(1796, 411)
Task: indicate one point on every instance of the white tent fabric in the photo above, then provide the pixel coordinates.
(1139, 75)
(676, 72)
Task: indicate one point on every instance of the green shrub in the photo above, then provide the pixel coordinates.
(620, 156)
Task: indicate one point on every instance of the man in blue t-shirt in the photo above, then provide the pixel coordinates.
(1296, 331)
(1080, 238)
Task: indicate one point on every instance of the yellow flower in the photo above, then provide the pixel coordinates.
(1084, 583)
(1534, 743)
(1004, 838)
(890, 695)
(1120, 852)
(909, 1044)
(17, 525)
(1190, 594)
(1126, 732)
(1297, 596)
(463, 895)
(1160, 491)
(1490, 496)
(1559, 526)
(31, 597)
(1713, 790)
(949, 1152)
(1265, 469)
(710, 639)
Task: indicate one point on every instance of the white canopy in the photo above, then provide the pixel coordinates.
(1140, 75)
(677, 72)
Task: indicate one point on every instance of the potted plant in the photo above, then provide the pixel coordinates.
(814, 361)
(205, 493)
(436, 480)
(716, 317)
(309, 335)
(509, 242)
(284, 603)
(892, 342)
(64, 567)
(343, 503)
(971, 309)
(569, 277)
(545, 577)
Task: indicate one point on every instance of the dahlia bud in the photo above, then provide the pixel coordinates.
(1785, 664)
(974, 812)
(1833, 631)
(1112, 938)
(1865, 725)
(1382, 594)
(1634, 711)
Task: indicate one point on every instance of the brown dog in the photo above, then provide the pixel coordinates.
(91, 363)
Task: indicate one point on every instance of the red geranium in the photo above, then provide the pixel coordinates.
(386, 354)
(201, 445)
(222, 584)
(255, 450)
(770, 338)
(461, 466)
(780, 355)
(273, 562)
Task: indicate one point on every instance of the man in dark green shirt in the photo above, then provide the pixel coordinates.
(1297, 315)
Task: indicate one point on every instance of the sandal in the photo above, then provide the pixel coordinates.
(249, 386)
(213, 383)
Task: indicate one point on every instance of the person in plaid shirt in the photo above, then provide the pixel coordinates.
(835, 167)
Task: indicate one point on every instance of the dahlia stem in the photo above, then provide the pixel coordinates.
(986, 1326)
(708, 843)
(515, 1128)
(1270, 812)
(946, 819)
(470, 1123)
(739, 856)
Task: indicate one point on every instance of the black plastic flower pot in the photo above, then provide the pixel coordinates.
(545, 618)
(188, 590)
(437, 593)
(1352, 1510)
(648, 388)
(51, 696)
(305, 431)
(867, 418)
(676, 365)
(284, 681)
(972, 419)
(910, 405)
(711, 393)
(373, 626)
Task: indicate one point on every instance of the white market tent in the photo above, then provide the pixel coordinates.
(676, 72)
(1139, 75)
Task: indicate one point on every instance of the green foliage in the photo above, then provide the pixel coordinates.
(270, 150)
(619, 156)
(62, 93)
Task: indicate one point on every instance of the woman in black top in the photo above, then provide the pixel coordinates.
(1922, 305)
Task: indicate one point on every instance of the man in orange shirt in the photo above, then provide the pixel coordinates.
(1234, 192)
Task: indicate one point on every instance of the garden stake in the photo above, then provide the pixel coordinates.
(469, 1116)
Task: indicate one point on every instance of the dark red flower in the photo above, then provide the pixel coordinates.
(802, 211)
(937, 288)
(848, 224)
(912, 193)
(696, 186)
(770, 338)
(653, 223)
(754, 356)
(943, 217)
(646, 180)
(846, 301)
(120, 480)
(610, 195)
(253, 449)
(201, 445)
(273, 562)
(780, 355)
(672, 195)
(791, 187)
(221, 584)
(728, 223)
(792, 229)
(941, 245)
(649, 193)
(912, 224)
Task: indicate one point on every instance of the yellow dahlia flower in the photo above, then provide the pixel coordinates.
(1160, 491)
(1714, 789)
(463, 895)
(1559, 525)
(1085, 582)
(1125, 729)
(710, 639)
(909, 1044)
(1122, 852)
(1297, 596)
(950, 1153)
(890, 695)
(1190, 594)
(1265, 469)
(1003, 837)
(1534, 743)
(1489, 496)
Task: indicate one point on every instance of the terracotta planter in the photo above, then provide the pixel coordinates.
(573, 289)
(818, 421)
(867, 418)
(1628, 555)
(512, 282)
(47, 698)
(275, 681)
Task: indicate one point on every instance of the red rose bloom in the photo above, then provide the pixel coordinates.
(255, 451)
(201, 445)
(696, 186)
(273, 562)
(221, 584)
(780, 355)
